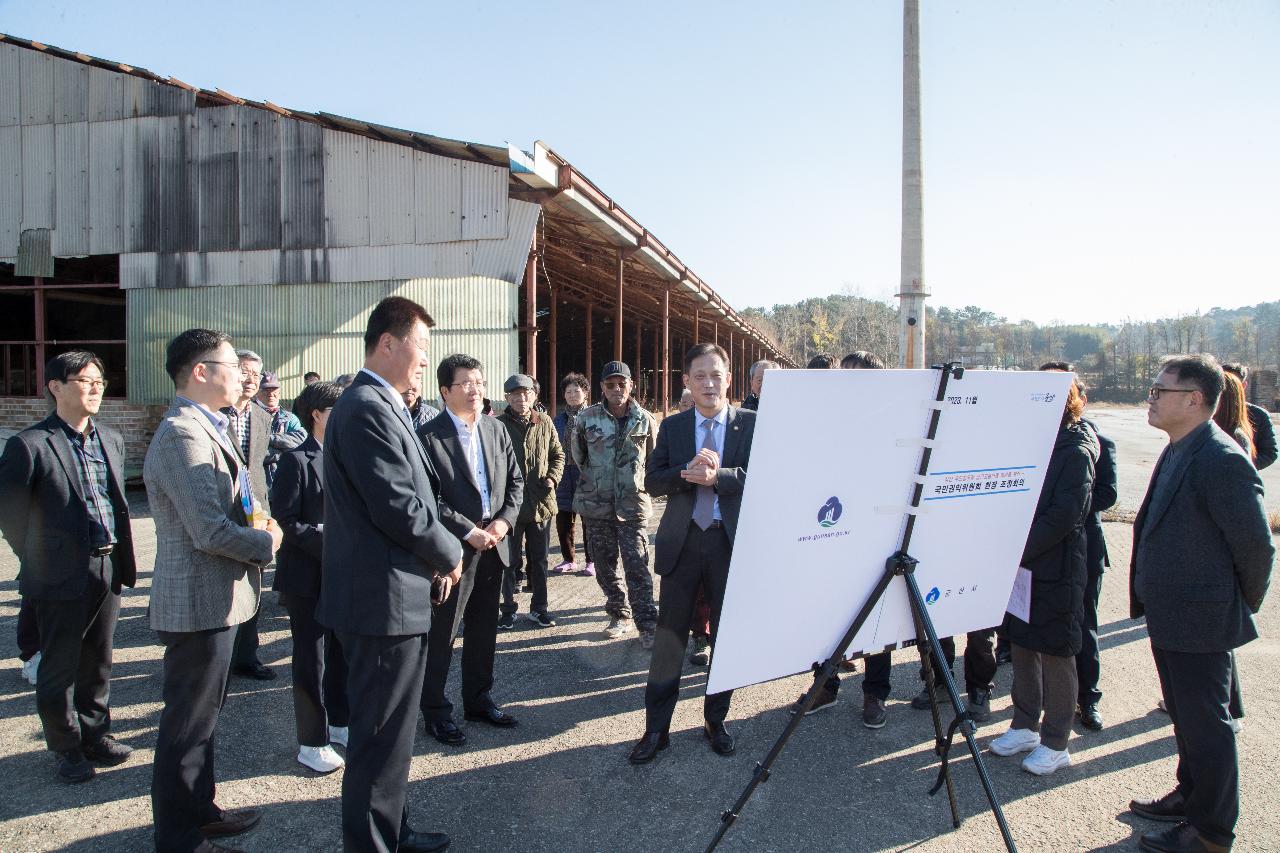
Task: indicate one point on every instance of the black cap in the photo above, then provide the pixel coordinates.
(615, 368)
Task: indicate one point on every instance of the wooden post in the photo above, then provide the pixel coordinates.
(590, 385)
(617, 320)
(553, 335)
(531, 315)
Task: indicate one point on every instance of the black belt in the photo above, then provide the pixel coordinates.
(101, 550)
(715, 524)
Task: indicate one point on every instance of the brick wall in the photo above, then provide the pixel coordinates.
(137, 423)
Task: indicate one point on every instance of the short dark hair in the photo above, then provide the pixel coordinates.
(822, 361)
(188, 348)
(699, 350)
(309, 374)
(862, 360)
(69, 364)
(1064, 366)
(1202, 371)
(1240, 369)
(395, 316)
(316, 397)
(450, 366)
(575, 379)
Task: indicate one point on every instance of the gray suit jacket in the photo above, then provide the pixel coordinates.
(460, 507)
(383, 540)
(675, 449)
(208, 561)
(259, 448)
(1202, 569)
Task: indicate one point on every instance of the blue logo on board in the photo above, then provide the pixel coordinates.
(933, 596)
(830, 512)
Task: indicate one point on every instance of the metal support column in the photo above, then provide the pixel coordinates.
(617, 320)
(531, 315)
(666, 350)
(590, 357)
(40, 349)
(551, 392)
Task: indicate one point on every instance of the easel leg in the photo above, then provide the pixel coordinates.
(927, 659)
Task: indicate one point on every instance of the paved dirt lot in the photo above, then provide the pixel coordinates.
(560, 781)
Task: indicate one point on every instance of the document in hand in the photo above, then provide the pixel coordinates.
(833, 463)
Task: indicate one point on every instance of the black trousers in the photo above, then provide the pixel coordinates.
(385, 673)
(1196, 690)
(566, 524)
(245, 653)
(1089, 661)
(875, 681)
(73, 683)
(704, 562)
(196, 665)
(475, 598)
(319, 673)
(28, 631)
(532, 539)
(979, 659)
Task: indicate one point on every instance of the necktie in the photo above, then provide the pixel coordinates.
(704, 503)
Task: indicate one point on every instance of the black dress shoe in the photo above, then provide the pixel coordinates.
(1170, 807)
(74, 767)
(646, 749)
(721, 740)
(1090, 718)
(257, 670)
(423, 842)
(232, 822)
(107, 751)
(447, 733)
(1180, 838)
(494, 716)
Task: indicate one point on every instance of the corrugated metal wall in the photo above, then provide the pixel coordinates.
(319, 327)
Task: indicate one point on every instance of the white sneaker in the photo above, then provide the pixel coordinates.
(30, 667)
(321, 759)
(1042, 761)
(619, 628)
(1014, 741)
(338, 735)
(1237, 725)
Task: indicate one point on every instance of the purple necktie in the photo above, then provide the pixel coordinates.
(705, 502)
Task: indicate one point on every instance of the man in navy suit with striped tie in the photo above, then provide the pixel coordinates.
(700, 466)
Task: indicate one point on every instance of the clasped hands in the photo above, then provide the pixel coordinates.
(702, 469)
(489, 537)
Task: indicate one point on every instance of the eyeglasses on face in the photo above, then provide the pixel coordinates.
(469, 385)
(1154, 392)
(243, 371)
(100, 384)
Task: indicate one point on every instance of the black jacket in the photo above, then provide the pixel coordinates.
(297, 502)
(1057, 548)
(1264, 436)
(383, 537)
(1103, 498)
(45, 517)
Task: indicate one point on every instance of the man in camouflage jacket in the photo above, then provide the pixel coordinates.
(541, 460)
(610, 443)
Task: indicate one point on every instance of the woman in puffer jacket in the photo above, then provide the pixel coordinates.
(1044, 649)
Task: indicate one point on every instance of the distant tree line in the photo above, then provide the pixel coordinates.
(1117, 360)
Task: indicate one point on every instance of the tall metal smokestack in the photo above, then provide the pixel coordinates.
(911, 293)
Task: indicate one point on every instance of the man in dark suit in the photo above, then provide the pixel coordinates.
(211, 545)
(63, 510)
(384, 551)
(700, 465)
(481, 489)
(1202, 556)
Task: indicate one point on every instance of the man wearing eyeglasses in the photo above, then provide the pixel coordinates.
(251, 427)
(63, 510)
(1202, 556)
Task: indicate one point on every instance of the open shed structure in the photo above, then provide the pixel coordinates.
(134, 206)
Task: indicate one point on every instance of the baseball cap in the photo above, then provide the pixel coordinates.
(615, 368)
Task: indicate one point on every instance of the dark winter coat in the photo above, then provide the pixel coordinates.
(568, 484)
(1057, 549)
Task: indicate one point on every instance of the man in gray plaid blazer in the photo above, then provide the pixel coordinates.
(208, 571)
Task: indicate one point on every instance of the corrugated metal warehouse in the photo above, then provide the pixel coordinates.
(133, 207)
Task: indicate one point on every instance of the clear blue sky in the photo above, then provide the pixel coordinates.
(1084, 161)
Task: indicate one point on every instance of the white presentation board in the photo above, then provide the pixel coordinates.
(833, 463)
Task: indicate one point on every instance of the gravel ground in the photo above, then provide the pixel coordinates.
(560, 781)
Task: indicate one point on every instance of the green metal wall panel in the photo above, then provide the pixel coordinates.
(320, 327)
